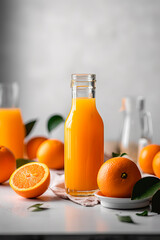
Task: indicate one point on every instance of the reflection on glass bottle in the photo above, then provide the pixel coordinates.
(137, 125)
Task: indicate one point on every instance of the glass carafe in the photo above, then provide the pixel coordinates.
(11, 124)
(84, 140)
(137, 124)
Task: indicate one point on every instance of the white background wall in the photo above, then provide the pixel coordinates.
(45, 41)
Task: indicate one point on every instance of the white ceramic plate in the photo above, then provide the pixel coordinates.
(121, 203)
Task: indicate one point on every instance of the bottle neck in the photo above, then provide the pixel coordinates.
(83, 88)
(83, 92)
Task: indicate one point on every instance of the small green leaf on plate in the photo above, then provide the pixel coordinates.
(29, 126)
(54, 121)
(126, 219)
(146, 187)
(144, 213)
(21, 161)
(155, 206)
(37, 207)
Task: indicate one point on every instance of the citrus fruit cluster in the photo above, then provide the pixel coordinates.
(30, 180)
(48, 151)
(149, 159)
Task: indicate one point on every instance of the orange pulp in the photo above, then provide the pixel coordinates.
(84, 153)
(30, 180)
(12, 130)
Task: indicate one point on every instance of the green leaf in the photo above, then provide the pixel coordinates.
(21, 161)
(144, 213)
(118, 154)
(145, 187)
(29, 126)
(39, 209)
(126, 219)
(123, 154)
(156, 202)
(54, 121)
(36, 205)
(115, 154)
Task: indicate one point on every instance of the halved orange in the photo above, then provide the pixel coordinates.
(30, 180)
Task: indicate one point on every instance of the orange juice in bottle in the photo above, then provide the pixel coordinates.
(84, 138)
(11, 124)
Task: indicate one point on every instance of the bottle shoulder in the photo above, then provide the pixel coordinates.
(91, 115)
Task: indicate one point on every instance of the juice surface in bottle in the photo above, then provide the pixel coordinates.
(84, 138)
(12, 130)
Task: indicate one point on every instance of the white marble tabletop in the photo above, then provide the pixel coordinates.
(64, 217)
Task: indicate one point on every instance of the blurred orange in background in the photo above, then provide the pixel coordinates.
(146, 157)
(156, 164)
(32, 146)
(51, 152)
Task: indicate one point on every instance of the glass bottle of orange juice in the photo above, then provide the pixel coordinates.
(11, 125)
(84, 138)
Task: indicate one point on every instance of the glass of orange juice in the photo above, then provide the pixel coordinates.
(84, 138)
(11, 125)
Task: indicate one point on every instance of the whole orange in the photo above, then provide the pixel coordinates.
(32, 146)
(51, 152)
(156, 164)
(117, 176)
(7, 164)
(146, 157)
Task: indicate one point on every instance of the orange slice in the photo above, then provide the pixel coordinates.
(31, 180)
